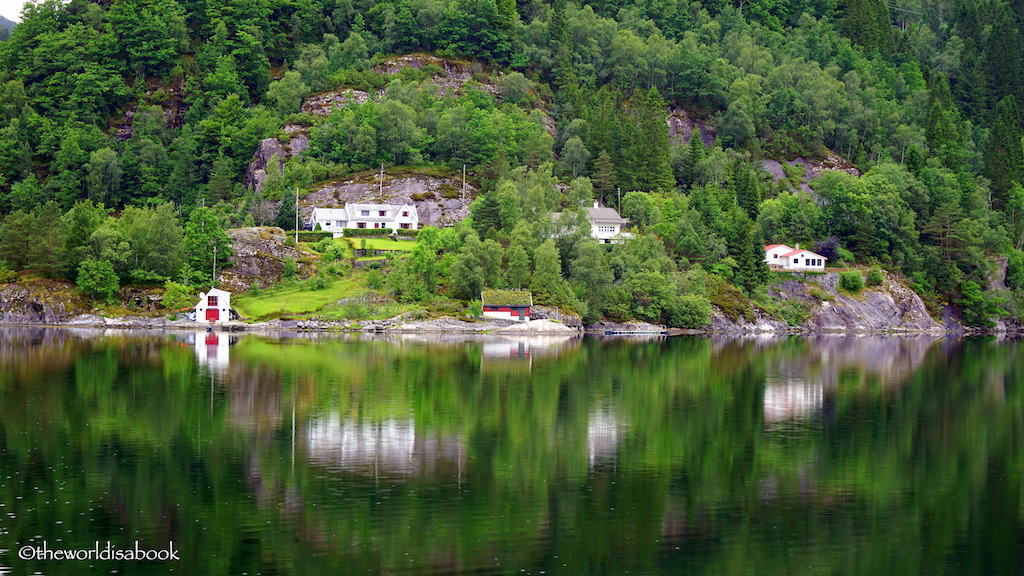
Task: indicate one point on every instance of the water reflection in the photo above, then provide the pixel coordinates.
(212, 349)
(388, 448)
(316, 454)
(797, 385)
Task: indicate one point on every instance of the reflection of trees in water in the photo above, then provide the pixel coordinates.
(610, 453)
(802, 373)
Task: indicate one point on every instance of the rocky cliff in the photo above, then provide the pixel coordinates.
(891, 307)
(41, 301)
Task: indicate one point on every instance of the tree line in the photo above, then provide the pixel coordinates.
(139, 103)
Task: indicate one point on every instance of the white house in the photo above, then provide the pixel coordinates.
(214, 306)
(361, 215)
(605, 224)
(782, 257)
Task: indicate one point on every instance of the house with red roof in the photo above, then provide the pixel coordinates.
(782, 257)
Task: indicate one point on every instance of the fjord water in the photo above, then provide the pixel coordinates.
(429, 455)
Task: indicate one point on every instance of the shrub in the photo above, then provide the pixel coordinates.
(97, 279)
(6, 274)
(476, 309)
(336, 251)
(690, 311)
(875, 277)
(845, 256)
(851, 281)
(795, 312)
(374, 279)
(318, 282)
(290, 269)
(178, 296)
(349, 232)
(730, 300)
(450, 192)
(308, 236)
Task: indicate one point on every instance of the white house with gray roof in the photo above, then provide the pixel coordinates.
(363, 215)
(605, 224)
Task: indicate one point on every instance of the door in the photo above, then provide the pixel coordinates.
(212, 314)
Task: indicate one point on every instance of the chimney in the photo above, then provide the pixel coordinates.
(597, 204)
(797, 245)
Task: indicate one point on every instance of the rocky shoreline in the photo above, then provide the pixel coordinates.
(397, 324)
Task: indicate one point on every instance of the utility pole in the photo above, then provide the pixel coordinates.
(380, 195)
(213, 283)
(463, 182)
(296, 215)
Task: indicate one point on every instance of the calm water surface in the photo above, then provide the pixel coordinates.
(425, 455)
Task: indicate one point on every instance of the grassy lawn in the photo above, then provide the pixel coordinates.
(382, 244)
(296, 298)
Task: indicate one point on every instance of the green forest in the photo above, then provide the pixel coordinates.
(126, 127)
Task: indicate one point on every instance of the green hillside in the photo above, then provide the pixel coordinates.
(127, 126)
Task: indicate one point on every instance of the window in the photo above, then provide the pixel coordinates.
(360, 224)
(382, 213)
(376, 224)
(364, 212)
(211, 301)
(775, 255)
(405, 225)
(405, 213)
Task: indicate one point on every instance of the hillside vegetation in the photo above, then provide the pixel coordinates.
(127, 128)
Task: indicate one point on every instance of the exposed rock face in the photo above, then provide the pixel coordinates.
(681, 126)
(438, 201)
(637, 326)
(762, 323)
(323, 103)
(812, 168)
(455, 74)
(259, 255)
(256, 174)
(890, 307)
(40, 302)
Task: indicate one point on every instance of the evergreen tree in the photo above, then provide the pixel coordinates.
(486, 212)
(1004, 57)
(1004, 155)
(205, 241)
(286, 213)
(695, 152)
(867, 23)
(604, 179)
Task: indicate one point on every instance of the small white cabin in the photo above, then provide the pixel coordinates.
(782, 257)
(214, 306)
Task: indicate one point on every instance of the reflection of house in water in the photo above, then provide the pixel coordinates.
(603, 434)
(517, 351)
(796, 386)
(212, 349)
(392, 447)
(791, 398)
(506, 349)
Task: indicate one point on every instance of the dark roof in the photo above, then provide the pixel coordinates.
(506, 298)
(605, 215)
